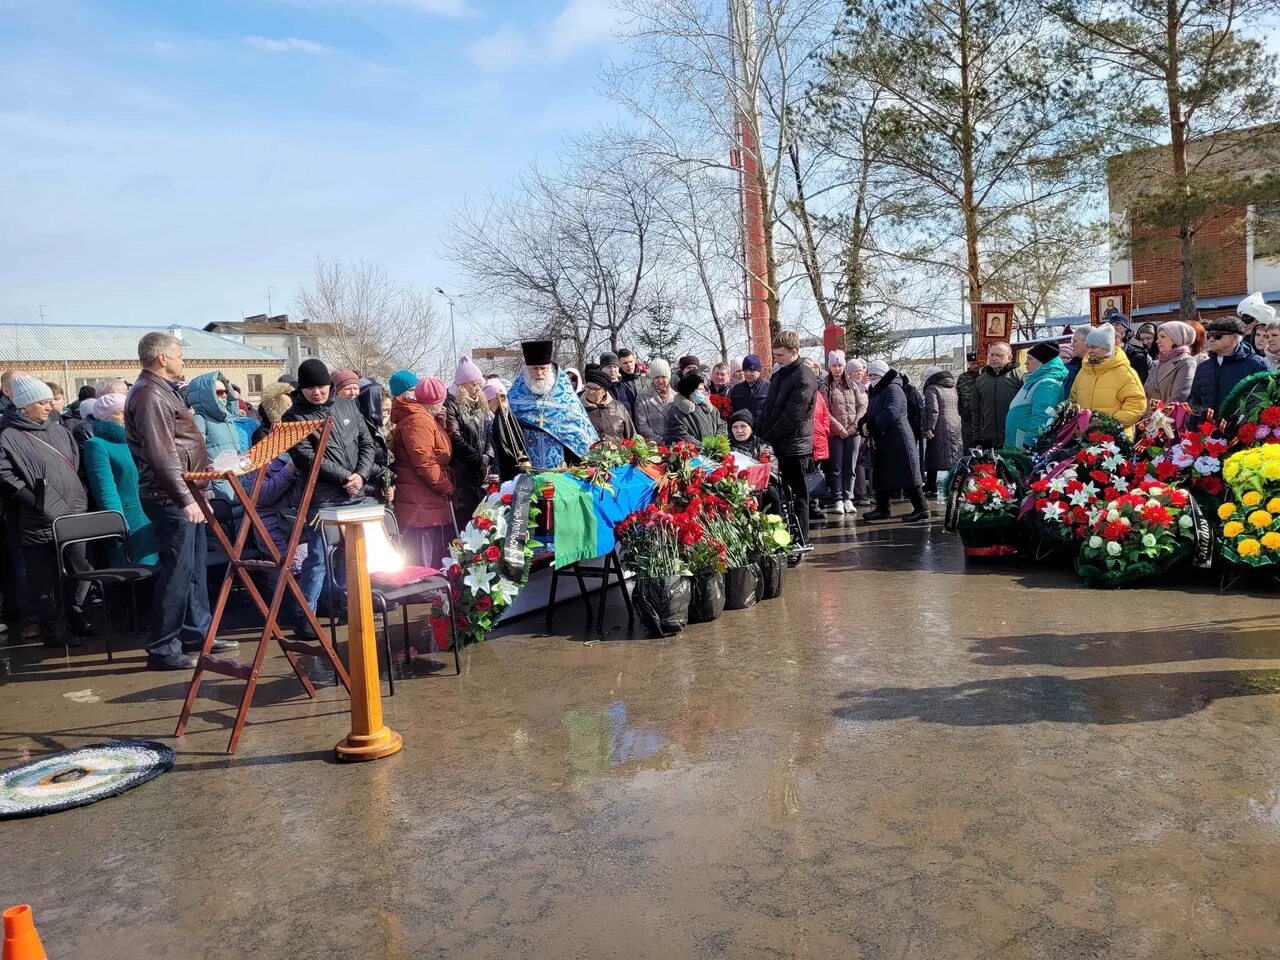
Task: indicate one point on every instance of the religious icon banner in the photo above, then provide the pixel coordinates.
(1110, 298)
(995, 325)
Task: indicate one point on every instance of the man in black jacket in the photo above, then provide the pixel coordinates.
(348, 461)
(752, 393)
(787, 423)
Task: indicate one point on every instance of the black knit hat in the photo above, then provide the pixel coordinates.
(689, 383)
(743, 416)
(1044, 352)
(313, 373)
(608, 359)
(597, 376)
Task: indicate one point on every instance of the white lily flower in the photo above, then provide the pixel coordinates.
(478, 580)
(473, 539)
(1080, 498)
(1121, 484)
(1053, 510)
(505, 590)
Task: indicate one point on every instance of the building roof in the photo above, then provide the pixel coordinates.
(94, 343)
(276, 325)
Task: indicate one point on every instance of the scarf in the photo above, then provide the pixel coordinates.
(1175, 352)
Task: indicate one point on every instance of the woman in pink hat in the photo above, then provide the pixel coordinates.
(421, 455)
(506, 441)
(467, 419)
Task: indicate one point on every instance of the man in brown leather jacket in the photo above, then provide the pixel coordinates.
(165, 441)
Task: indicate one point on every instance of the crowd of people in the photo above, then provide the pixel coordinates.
(841, 436)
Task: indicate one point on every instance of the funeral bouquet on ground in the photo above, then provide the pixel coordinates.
(1250, 513)
(1065, 500)
(1252, 410)
(1191, 459)
(982, 505)
(479, 586)
(659, 543)
(1070, 430)
(1141, 531)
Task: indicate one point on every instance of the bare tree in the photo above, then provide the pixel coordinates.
(369, 323)
(693, 65)
(571, 253)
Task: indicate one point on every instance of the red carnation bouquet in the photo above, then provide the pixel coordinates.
(1067, 498)
(657, 542)
(1193, 461)
(1142, 531)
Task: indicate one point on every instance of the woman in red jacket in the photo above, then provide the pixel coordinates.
(421, 452)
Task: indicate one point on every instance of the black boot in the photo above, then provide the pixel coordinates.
(919, 510)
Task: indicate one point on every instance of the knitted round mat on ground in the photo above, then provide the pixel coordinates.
(75, 778)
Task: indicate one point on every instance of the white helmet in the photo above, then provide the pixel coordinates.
(1255, 308)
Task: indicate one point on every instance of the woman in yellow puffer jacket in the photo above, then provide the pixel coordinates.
(1107, 383)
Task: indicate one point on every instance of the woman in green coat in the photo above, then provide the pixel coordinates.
(113, 477)
(1031, 409)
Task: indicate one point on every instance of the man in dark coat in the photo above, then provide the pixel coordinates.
(39, 470)
(623, 390)
(997, 385)
(786, 422)
(897, 455)
(753, 392)
(1230, 361)
(967, 396)
(1139, 359)
(691, 417)
(348, 462)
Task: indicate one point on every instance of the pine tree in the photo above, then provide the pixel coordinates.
(658, 334)
(1185, 73)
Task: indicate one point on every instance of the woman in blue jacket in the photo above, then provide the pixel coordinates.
(112, 476)
(1032, 406)
(216, 412)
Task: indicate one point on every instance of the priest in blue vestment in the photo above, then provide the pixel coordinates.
(554, 422)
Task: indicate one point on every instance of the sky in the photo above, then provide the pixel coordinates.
(169, 162)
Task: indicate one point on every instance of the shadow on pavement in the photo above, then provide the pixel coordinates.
(1128, 698)
(1253, 638)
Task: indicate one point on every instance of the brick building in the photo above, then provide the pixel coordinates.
(294, 340)
(74, 356)
(1236, 250)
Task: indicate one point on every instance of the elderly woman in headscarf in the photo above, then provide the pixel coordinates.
(1107, 383)
(1175, 367)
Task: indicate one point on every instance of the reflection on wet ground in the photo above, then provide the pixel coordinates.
(901, 758)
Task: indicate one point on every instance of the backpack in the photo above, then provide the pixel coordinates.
(915, 407)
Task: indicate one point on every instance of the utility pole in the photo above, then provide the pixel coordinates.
(41, 309)
(745, 155)
(453, 334)
(269, 300)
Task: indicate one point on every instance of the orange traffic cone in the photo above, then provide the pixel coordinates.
(21, 942)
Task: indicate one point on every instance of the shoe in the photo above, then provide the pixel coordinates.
(78, 623)
(32, 630)
(177, 661)
(838, 506)
(53, 641)
(915, 516)
(219, 646)
(302, 630)
(861, 502)
(850, 509)
(877, 515)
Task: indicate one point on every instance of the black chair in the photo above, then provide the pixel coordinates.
(89, 528)
(387, 597)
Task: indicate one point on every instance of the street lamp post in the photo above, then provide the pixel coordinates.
(453, 335)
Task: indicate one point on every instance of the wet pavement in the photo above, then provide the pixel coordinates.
(900, 758)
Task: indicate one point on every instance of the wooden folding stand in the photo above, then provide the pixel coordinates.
(283, 437)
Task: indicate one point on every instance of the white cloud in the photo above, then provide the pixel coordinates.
(287, 45)
(504, 47)
(580, 24)
(439, 8)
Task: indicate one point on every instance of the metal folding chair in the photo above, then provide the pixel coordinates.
(88, 528)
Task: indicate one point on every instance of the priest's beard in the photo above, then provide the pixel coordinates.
(542, 386)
